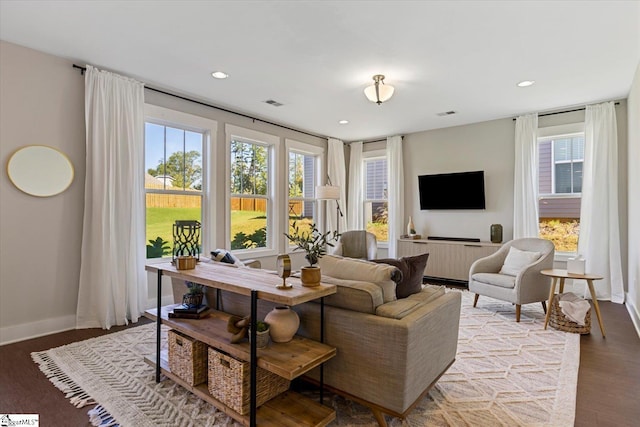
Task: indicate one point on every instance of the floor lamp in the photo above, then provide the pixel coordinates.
(331, 192)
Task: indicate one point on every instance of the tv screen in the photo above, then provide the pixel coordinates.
(461, 190)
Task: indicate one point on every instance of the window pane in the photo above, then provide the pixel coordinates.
(376, 179)
(248, 223)
(249, 168)
(562, 150)
(563, 178)
(162, 212)
(303, 214)
(577, 177)
(577, 147)
(173, 158)
(376, 215)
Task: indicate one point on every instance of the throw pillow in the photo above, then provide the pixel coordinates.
(412, 268)
(517, 260)
(221, 255)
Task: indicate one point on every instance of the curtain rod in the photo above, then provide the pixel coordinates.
(195, 101)
(565, 111)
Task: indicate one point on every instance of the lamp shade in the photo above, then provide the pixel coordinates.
(328, 192)
(385, 93)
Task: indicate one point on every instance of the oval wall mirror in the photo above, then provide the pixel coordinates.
(40, 171)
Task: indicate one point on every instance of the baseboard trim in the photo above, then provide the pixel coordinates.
(633, 313)
(26, 331)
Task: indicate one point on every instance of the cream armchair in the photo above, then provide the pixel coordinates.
(357, 244)
(514, 274)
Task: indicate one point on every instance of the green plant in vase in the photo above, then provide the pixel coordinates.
(314, 243)
(195, 294)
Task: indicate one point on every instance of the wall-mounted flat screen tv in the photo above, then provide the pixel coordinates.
(460, 190)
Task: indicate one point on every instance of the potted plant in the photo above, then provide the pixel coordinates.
(262, 334)
(193, 297)
(314, 243)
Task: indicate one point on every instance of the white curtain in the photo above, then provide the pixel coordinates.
(337, 174)
(113, 283)
(525, 182)
(355, 217)
(395, 193)
(599, 240)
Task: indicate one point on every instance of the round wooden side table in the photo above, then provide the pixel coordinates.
(556, 274)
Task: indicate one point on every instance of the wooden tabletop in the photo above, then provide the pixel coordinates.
(557, 272)
(244, 280)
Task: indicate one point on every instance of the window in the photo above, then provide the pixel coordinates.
(173, 182)
(375, 197)
(251, 189)
(561, 158)
(303, 177)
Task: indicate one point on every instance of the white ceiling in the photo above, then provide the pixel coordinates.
(316, 57)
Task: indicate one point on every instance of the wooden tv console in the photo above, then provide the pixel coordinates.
(448, 260)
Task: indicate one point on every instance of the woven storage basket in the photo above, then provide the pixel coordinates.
(187, 358)
(557, 320)
(229, 382)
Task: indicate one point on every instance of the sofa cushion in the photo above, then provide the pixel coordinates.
(502, 280)
(517, 260)
(402, 307)
(354, 295)
(361, 270)
(412, 268)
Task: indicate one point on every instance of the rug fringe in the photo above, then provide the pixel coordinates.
(77, 396)
(99, 417)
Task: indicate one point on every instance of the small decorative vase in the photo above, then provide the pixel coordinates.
(283, 323)
(262, 338)
(310, 276)
(192, 300)
(411, 229)
(496, 233)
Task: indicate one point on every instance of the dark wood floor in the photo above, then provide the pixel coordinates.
(608, 379)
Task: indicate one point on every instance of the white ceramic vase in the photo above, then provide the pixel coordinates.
(283, 323)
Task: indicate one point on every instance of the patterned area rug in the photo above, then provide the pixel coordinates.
(506, 373)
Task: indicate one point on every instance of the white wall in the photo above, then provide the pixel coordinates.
(42, 102)
(484, 146)
(633, 283)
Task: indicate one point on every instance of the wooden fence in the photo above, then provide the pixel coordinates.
(155, 200)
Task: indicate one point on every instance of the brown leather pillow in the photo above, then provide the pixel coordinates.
(412, 268)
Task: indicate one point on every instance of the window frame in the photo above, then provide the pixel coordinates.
(273, 143)
(209, 128)
(320, 159)
(367, 156)
(551, 132)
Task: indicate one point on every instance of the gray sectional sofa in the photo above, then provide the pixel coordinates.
(390, 351)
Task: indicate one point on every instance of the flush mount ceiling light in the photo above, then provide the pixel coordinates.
(378, 92)
(219, 75)
(526, 83)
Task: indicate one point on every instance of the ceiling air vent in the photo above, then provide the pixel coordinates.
(273, 102)
(446, 113)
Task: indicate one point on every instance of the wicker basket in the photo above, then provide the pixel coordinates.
(187, 358)
(229, 382)
(557, 320)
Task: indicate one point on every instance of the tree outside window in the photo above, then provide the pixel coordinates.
(173, 183)
(302, 182)
(249, 194)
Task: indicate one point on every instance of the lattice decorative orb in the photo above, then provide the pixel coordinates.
(186, 239)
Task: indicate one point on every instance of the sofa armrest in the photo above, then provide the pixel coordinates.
(489, 264)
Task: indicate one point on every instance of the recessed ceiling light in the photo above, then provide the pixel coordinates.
(343, 122)
(526, 83)
(219, 75)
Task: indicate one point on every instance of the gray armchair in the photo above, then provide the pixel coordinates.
(526, 286)
(357, 244)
